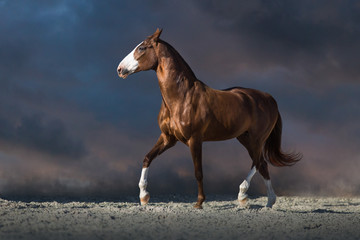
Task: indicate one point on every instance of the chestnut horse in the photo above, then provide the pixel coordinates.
(191, 112)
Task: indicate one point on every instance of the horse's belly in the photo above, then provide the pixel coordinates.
(219, 131)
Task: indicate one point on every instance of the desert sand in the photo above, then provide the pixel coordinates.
(173, 217)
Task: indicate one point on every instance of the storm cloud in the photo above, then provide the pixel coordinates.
(34, 133)
(317, 40)
(70, 126)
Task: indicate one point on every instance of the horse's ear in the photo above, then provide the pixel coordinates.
(156, 35)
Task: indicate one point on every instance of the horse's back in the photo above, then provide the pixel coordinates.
(253, 93)
(257, 97)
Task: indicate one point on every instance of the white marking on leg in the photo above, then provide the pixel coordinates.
(251, 174)
(129, 63)
(271, 194)
(143, 183)
(244, 186)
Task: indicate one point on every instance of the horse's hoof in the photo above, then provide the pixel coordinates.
(243, 202)
(271, 202)
(145, 200)
(198, 206)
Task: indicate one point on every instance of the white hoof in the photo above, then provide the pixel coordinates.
(242, 196)
(243, 202)
(144, 200)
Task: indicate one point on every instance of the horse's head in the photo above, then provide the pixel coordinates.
(142, 58)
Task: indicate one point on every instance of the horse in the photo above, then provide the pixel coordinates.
(191, 112)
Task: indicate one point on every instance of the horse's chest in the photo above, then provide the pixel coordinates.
(180, 129)
(178, 122)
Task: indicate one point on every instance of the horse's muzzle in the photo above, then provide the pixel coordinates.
(123, 72)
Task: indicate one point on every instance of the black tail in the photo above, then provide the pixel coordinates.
(272, 149)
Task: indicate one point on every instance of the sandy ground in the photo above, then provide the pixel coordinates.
(173, 217)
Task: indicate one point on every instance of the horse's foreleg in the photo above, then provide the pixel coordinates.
(244, 186)
(196, 153)
(144, 195)
(164, 142)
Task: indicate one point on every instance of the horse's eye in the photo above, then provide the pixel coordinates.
(142, 48)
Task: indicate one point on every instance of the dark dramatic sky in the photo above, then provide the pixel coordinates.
(70, 126)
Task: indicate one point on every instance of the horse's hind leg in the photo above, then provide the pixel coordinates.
(263, 170)
(164, 142)
(244, 186)
(255, 149)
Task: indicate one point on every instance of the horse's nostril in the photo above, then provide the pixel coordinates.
(119, 70)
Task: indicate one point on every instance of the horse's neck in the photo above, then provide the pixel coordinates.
(176, 79)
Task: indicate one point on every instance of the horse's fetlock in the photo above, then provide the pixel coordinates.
(244, 187)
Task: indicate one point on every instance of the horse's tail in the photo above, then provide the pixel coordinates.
(272, 148)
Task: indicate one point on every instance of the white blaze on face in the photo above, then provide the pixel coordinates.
(143, 182)
(129, 64)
